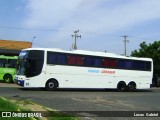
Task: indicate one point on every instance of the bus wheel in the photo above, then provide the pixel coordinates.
(121, 87)
(131, 86)
(7, 78)
(51, 85)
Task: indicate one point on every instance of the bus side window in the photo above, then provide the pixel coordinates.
(121, 64)
(139, 65)
(3, 63)
(113, 63)
(61, 59)
(129, 64)
(124, 64)
(80, 60)
(109, 63)
(56, 58)
(93, 62)
(12, 63)
(75, 60)
(51, 58)
(72, 60)
(148, 66)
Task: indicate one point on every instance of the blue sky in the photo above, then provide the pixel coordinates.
(101, 23)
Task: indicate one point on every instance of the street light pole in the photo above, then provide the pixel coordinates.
(33, 40)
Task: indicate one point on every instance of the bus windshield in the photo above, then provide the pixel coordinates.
(30, 63)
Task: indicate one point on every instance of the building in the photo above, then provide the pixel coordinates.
(13, 48)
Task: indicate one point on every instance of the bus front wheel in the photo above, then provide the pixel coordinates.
(51, 85)
(7, 78)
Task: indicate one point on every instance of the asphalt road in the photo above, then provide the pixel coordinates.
(85, 101)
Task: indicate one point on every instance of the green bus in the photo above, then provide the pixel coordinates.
(8, 68)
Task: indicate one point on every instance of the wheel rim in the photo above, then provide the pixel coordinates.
(121, 87)
(7, 79)
(51, 85)
(131, 87)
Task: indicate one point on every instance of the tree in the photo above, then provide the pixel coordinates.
(150, 51)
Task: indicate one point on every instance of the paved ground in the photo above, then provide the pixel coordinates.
(86, 101)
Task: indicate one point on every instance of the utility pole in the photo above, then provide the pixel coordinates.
(75, 39)
(125, 44)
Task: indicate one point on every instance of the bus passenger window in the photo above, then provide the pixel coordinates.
(148, 66)
(75, 60)
(72, 60)
(93, 62)
(129, 64)
(12, 63)
(56, 58)
(51, 59)
(61, 59)
(124, 64)
(3, 63)
(139, 65)
(80, 61)
(110, 63)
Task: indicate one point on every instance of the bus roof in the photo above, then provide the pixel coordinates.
(94, 53)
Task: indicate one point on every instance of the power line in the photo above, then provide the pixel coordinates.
(143, 38)
(85, 32)
(19, 28)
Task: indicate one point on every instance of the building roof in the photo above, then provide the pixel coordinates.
(11, 47)
(14, 45)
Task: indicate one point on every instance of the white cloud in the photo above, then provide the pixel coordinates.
(95, 16)
(46, 13)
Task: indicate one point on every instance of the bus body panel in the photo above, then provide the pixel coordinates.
(7, 66)
(71, 76)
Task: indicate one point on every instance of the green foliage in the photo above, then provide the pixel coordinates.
(7, 106)
(150, 51)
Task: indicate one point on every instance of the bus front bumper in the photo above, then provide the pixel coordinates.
(19, 82)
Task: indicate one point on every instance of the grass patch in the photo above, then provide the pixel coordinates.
(25, 106)
(7, 106)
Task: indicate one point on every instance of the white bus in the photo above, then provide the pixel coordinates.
(55, 68)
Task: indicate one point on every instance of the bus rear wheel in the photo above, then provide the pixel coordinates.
(121, 87)
(131, 86)
(7, 78)
(51, 85)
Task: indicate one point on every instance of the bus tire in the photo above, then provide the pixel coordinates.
(8, 78)
(51, 85)
(121, 87)
(131, 86)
